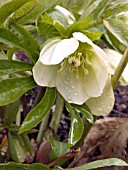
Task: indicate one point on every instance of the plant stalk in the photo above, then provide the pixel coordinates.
(39, 96)
(43, 127)
(18, 117)
(119, 70)
(57, 114)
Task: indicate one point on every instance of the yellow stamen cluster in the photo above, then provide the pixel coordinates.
(74, 61)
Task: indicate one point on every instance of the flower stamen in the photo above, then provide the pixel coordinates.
(75, 62)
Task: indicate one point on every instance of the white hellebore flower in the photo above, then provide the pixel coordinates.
(114, 58)
(75, 66)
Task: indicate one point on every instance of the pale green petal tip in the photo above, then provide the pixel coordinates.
(102, 106)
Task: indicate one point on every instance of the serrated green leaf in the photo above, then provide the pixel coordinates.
(22, 11)
(100, 8)
(101, 163)
(114, 7)
(76, 128)
(19, 166)
(27, 41)
(7, 37)
(39, 112)
(76, 6)
(58, 149)
(11, 66)
(60, 28)
(11, 40)
(11, 112)
(84, 109)
(104, 9)
(79, 26)
(117, 32)
(7, 9)
(26, 37)
(40, 7)
(46, 26)
(89, 10)
(11, 89)
(93, 35)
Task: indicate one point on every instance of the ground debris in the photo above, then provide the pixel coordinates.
(108, 138)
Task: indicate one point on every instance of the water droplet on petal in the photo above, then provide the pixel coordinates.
(100, 109)
(109, 107)
(75, 94)
(72, 87)
(69, 98)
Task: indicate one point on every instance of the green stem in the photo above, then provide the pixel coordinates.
(43, 127)
(18, 118)
(119, 70)
(45, 119)
(39, 96)
(57, 114)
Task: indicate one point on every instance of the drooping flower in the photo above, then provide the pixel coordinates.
(75, 66)
(113, 58)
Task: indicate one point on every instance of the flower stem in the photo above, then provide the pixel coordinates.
(43, 127)
(45, 119)
(39, 96)
(18, 118)
(57, 114)
(119, 70)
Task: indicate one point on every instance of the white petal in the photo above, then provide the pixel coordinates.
(57, 52)
(82, 38)
(114, 59)
(100, 52)
(70, 86)
(102, 106)
(97, 75)
(45, 75)
(49, 47)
